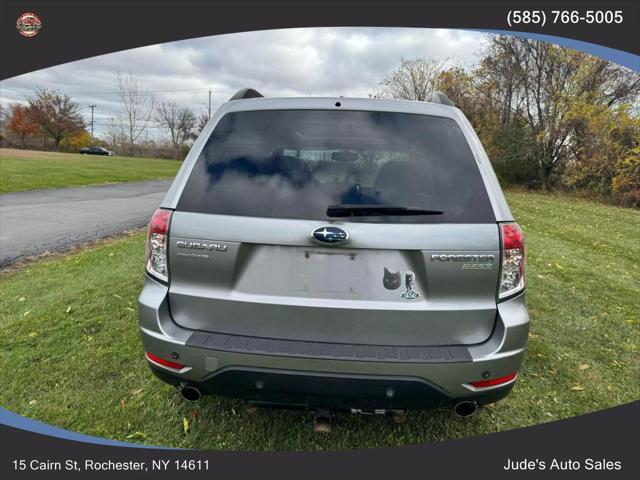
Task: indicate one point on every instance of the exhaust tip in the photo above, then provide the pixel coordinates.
(190, 393)
(465, 409)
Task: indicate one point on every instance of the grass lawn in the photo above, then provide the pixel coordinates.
(29, 170)
(71, 355)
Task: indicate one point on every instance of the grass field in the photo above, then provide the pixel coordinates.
(29, 170)
(71, 355)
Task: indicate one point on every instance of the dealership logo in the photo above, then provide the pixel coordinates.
(28, 24)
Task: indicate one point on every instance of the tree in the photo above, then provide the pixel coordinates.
(477, 103)
(544, 84)
(179, 121)
(137, 106)
(497, 119)
(202, 121)
(21, 124)
(114, 134)
(413, 80)
(75, 141)
(56, 114)
(626, 183)
(601, 137)
(4, 121)
(547, 116)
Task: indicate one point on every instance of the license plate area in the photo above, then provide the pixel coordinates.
(319, 271)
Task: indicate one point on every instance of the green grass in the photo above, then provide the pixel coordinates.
(28, 170)
(71, 355)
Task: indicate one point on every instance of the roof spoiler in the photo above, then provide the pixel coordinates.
(436, 97)
(441, 98)
(246, 93)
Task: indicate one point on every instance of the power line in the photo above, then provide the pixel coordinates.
(151, 92)
(143, 92)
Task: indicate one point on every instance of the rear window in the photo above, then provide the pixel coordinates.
(309, 164)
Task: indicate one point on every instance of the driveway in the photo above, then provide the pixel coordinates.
(45, 220)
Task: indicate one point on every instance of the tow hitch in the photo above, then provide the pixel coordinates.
(398, 416)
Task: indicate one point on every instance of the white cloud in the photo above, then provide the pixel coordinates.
(288, 62)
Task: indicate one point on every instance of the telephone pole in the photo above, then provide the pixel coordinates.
(92, 107)
(209, 103)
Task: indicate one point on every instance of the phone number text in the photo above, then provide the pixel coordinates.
(540, 17)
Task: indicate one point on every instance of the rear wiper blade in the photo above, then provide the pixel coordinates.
(376, 210)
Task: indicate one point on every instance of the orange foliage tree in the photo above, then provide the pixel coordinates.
(21, 123)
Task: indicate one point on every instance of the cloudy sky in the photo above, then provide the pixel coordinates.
(291, 62)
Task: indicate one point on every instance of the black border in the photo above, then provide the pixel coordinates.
(74, 29)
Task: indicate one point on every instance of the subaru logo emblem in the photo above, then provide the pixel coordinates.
(330, 235)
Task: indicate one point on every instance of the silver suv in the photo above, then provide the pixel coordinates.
(336, 253)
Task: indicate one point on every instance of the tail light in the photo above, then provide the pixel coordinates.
(165, 363)
(513, 259)
(157, 261)
(494, 382)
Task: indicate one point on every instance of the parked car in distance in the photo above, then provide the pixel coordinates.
(336, 254)
(96, 151)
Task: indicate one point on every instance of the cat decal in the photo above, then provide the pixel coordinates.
(391, 280)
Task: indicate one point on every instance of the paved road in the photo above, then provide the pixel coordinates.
(41, 220)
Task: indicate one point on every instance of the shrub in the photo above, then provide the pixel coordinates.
(626, 183)
(75, 141)
(510, 149)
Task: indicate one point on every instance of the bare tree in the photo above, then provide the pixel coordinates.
(138, 107)
(114, 134)
(178, 121)
(4, 120)
(202, 121)
(413, 80)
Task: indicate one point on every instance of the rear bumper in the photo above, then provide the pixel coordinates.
(309, 390)
(332, 375)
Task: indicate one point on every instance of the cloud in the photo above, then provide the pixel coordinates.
(288, 62)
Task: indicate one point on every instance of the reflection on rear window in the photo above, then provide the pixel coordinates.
(297, 163)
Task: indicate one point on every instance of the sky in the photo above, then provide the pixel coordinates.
(333, 61)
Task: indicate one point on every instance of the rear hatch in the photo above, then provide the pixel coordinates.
(417, 256)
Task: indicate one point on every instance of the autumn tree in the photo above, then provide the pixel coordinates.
(75, 141)
(179, 121)
(21, 124)
(55, 114)
(626, 183)
(601, 137)
(545, 84)
(548, 116)
(458, 84)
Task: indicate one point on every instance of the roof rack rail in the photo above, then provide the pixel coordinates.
(441, 98)
(246, 93)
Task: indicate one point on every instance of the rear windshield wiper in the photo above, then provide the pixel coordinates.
(376, 210)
